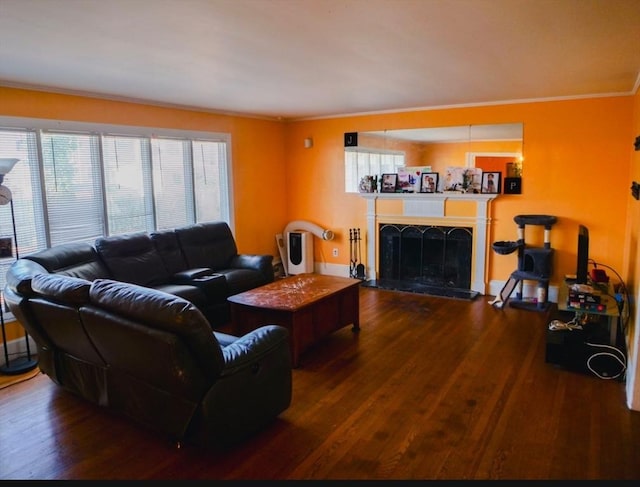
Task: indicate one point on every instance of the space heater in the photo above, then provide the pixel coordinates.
(300, 252)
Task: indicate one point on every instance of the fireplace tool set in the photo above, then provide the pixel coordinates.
(356, 267)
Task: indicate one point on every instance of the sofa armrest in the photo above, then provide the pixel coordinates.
(258, 262)
(188, 275)
(254, 347)
(212, 284)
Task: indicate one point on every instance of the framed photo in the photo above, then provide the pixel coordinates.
(389, 183)
(413, 173)
(6, 247)
(491, 182)
(429, 182)
(405, 183)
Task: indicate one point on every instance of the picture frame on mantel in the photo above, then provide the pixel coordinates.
(429, 182)
(389, 182)
(491, 182)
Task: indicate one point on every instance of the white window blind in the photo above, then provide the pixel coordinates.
(127, 163)
(210, 173)
(73, 187)
(85, 182)
(172, 183)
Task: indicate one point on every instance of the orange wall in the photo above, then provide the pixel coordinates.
(576, 167)
(577, 164)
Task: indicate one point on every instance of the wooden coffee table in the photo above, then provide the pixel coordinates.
(310, 306)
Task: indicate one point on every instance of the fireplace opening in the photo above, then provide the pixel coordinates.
(426, 259)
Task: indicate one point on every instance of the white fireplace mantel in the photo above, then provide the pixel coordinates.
(431, 208)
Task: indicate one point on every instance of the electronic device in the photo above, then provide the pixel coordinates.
(582, 264)
(599, 275)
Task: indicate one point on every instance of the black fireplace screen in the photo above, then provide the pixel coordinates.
(433, 255)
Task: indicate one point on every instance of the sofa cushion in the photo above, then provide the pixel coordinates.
(209, 244)
(68, 290)
(132, 258)
(163, 311)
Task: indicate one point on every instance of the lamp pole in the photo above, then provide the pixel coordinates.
(26, 362)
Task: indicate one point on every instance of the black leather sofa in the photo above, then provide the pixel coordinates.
(199, 263)
(144, 348)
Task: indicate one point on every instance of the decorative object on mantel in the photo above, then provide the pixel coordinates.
(411, 174)
(463, 179)
(389, 183)
(429, 182)
(513, 181)
(368, 184)
(491, 182)
(512, 186)
(26, 363)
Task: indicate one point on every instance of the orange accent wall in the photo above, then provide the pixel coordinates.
(576, 167)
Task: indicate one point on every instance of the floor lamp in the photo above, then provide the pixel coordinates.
(24, 363)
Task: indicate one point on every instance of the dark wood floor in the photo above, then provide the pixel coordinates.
(431, 388)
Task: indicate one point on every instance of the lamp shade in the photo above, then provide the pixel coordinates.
(6, 165)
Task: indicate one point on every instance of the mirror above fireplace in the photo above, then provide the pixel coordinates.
(491, 147)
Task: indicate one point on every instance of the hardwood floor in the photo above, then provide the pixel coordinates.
(431, 388)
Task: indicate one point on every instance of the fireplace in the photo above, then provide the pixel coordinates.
(435, 243)
(433, 255)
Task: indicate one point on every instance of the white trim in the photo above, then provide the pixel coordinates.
(54, 124)
(466, 105)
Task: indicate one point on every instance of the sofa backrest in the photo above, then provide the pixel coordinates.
(152, 310)
(167, 245)
(132, 258)
(75, 259)
(55, 308)
(209, 244)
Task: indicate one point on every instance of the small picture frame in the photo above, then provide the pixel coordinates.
(6, 247)
(491, 182)
(429, 182)
(389, 183)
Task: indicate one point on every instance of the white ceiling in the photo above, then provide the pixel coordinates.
(293, 59)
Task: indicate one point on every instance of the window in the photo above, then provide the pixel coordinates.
(82, 182)
(359, 162)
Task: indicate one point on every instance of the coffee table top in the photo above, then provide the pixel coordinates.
(293, 292)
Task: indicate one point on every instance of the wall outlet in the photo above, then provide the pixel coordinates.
(335, 252)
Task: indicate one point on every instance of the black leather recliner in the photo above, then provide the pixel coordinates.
(153, 357)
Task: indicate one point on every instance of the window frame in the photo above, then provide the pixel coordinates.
(33, 129)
